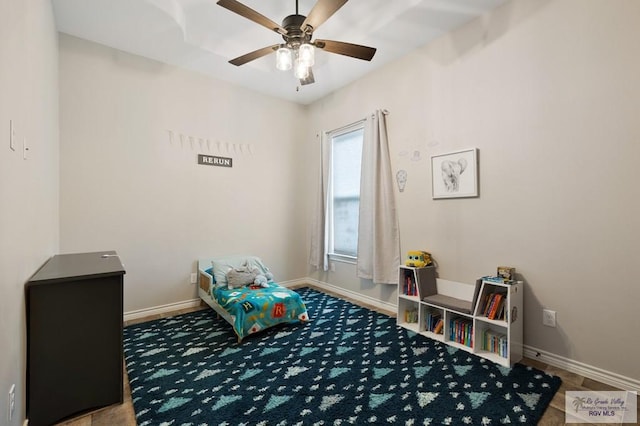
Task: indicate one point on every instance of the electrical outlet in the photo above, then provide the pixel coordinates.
(549, 317)
(194, 278)
(25, 149)
(12, 401)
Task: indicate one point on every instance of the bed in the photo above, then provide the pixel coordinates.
(250, 308)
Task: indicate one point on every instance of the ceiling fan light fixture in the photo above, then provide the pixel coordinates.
(306, 54)
(300, 69)
(284, 58)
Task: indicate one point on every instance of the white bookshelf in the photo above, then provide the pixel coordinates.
(509, 324)
(455, 305)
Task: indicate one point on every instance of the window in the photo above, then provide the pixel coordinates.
(344, 202)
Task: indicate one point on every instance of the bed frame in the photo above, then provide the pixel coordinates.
(205, 283)
(287, 308)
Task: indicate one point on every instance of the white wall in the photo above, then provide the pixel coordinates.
(549, 92)
(126, 186)
(28, 188)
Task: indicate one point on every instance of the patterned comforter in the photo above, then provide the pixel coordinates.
(256, 308)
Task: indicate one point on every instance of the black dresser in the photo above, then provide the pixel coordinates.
(74, 336)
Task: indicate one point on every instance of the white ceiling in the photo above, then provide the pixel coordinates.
(202, 36)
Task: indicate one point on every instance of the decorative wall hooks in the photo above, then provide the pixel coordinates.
(210, 145)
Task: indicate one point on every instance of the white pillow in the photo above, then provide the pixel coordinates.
(222, 265)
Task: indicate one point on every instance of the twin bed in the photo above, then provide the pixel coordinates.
(248, 308)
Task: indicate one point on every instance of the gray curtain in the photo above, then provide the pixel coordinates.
(378, 229)
(318, 256)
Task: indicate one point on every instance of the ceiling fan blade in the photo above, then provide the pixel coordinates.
(252, 15)
(348, 49)
(321, 11)
(310, 79)
(241, 60)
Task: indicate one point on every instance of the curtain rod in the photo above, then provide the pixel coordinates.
(384, 111)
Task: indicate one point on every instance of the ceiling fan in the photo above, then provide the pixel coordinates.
(297, 30)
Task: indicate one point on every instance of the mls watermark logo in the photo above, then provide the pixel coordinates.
(601, 407)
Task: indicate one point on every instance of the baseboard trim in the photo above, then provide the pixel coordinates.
(186, 304)
(294, 283)
(163, 309)
(386, 306)
(589, 371)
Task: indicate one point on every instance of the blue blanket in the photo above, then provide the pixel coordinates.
(256, 308)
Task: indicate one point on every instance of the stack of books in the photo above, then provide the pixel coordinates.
(496, 343)
(410, 288)
(461, 331)
(499, 280)
(493, 306)
(411, 315)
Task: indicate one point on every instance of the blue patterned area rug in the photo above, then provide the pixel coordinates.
(349, 365)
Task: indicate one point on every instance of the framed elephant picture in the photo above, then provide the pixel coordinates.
(455, 174)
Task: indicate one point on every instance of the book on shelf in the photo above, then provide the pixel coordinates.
(500, 311)
(438, 327)
(482, 304)
(431, 321)
(486, 306)
(497, 279)
(410, 287)
(411, 315)
(495, 305)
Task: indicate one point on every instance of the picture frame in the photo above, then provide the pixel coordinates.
(455, 174)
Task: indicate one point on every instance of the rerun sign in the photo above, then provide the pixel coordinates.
(211, 160)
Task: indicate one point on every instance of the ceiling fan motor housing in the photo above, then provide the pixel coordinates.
(295, 35)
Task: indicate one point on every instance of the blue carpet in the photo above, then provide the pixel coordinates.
(349, 365)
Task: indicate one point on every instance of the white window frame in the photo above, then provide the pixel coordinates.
(359, 125)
